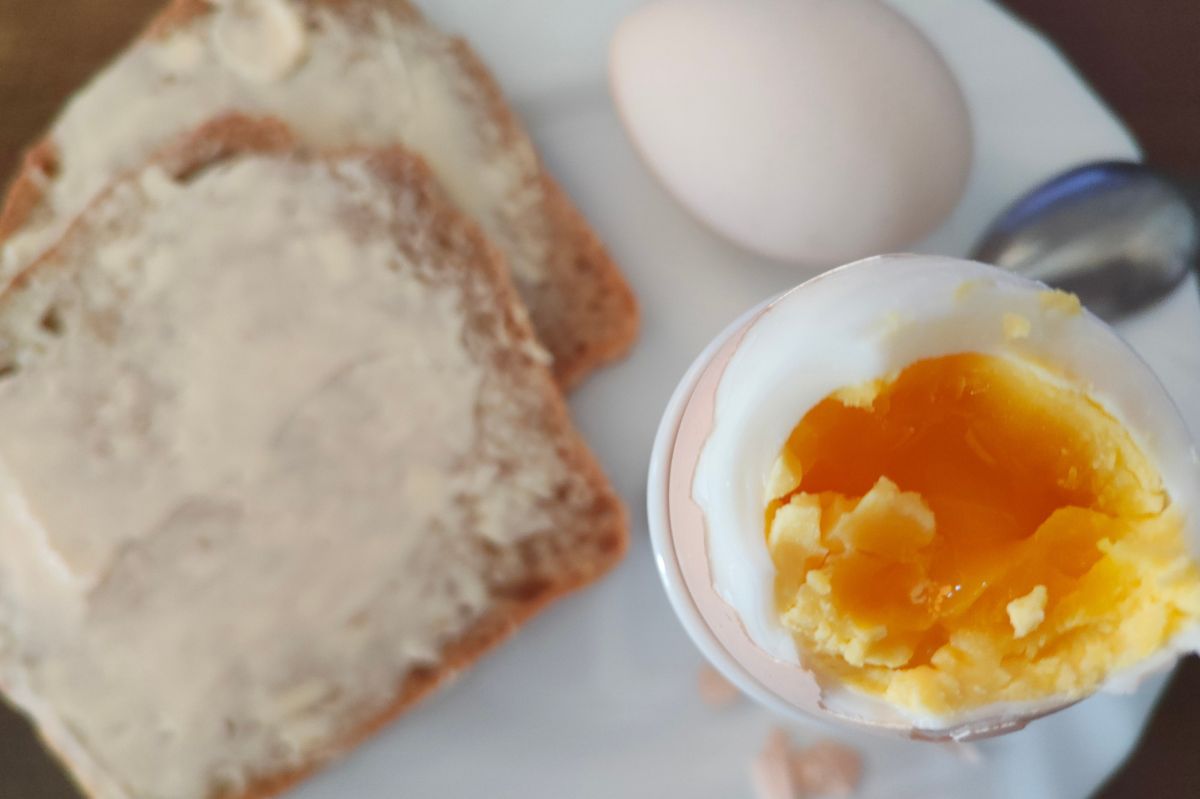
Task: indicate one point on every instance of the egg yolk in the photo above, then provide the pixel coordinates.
(973, 530)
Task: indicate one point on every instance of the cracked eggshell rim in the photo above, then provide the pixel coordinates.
(760, 382)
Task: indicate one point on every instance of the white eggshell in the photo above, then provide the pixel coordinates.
(813, 131)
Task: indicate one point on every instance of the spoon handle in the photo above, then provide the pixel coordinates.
(1190, 189)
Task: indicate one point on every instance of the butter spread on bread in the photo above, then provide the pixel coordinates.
(339, 73)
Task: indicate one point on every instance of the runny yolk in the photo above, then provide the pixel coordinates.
(973, 530)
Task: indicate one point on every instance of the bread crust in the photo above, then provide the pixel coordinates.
(25, 192)
(585, 314)
(577, 250)
(238, 135)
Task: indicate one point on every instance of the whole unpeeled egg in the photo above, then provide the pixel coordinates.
(812, 131)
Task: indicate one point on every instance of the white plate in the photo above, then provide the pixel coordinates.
(597, 697)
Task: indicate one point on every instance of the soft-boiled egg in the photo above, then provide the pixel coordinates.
(928, 495)
(811, 131)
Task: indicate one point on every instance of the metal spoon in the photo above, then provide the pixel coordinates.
(1119, 234)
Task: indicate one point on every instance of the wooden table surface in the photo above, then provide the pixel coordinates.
(1143, 58)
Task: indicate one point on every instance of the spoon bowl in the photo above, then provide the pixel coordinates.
(1119, 234)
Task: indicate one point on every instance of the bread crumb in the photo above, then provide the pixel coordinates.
(715, 690)
(1015, 326)
(1027, 613)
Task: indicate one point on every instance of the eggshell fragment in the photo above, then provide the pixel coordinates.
(714, 689)
(827, 768)
(771, 771)
(783, 771)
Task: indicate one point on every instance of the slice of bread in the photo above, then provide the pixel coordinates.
(280, 454)
(340, 73)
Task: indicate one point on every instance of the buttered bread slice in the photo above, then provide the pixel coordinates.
(279, 452)
(339, 73)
